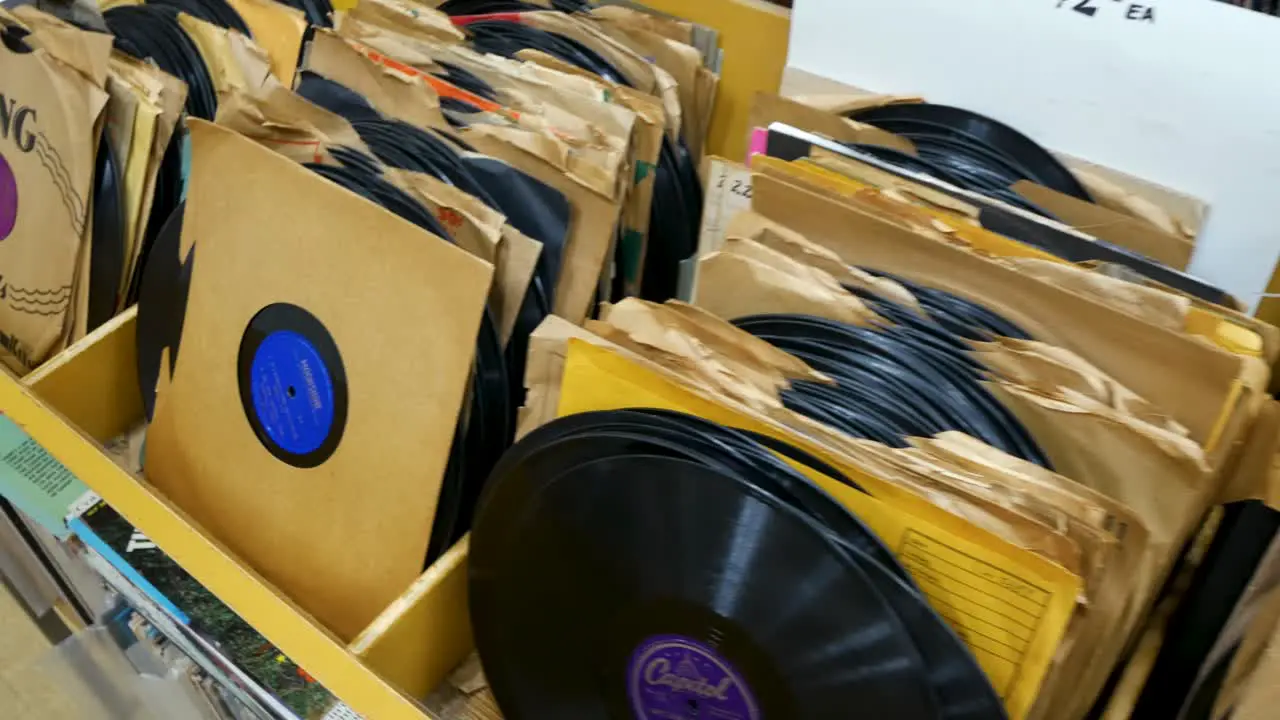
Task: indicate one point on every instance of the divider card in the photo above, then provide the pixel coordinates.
(728, 192)
(34, 481)
(1010, 606)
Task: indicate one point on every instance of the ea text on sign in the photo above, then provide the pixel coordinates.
(1123, 8)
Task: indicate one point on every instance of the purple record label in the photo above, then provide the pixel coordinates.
(671, 677)
(8, 199)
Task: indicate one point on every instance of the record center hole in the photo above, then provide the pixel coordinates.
(291, 392)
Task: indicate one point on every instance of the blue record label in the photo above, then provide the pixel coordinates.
(292, 391)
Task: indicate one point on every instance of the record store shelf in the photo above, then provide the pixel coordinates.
(88, 395)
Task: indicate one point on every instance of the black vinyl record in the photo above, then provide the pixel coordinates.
(162, 306)
(13, 36)
(788, 143)
(532, 207)
(487, 423)
(106, 260)
(357, 178)
(153, 31)
(484, 432)
(894, 383)
(318, 12)
(218, 12)
(976, 130)
(660, 604)
(293, 385)
(647, 564)
(673, 233)
(335, 97)
(465, 79)
(170, 188)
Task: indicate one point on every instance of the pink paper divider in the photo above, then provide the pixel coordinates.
(759, 144)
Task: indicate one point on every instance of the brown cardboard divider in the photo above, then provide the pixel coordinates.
(1115, 227)
(87, 395)
(279, 29)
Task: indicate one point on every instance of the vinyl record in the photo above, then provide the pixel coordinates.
(958, 682)
(485, 427)
(484, 433)
(532, 207)
(768, 472)
(650, 587)
(789, 143)
(106, 261)
(506, 37)
(449, 518)
(12, 35)
(356, 178)
(954, 676)
(153, 31)
(640, 564)
(893, 383)
(217, 12)
(162, 304)
(170, 188)
(1037, 163)
(355, 159)
(293, 385)
(407, 147)
(906, 161)
(335, 97)
(465, 79)
(318, 12)
(677, 202)
(977, 321)
(672, 235)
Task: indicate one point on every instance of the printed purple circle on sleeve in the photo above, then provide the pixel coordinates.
(671, 677)
(8, 199)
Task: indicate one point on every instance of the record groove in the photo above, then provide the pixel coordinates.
(106, 259)
(649, 564)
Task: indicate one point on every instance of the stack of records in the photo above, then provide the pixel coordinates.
(922, 424)
(641, 563)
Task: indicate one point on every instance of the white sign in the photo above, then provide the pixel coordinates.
(1108, 9)
(1181, 92)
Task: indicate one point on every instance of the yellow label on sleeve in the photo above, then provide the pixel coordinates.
(1009, 605)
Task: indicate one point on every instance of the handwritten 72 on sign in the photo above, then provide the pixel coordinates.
(1128, 10)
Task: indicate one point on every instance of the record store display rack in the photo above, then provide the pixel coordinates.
(406, 358)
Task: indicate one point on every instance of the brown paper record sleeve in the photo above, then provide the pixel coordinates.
(53, 98)
(403, 307)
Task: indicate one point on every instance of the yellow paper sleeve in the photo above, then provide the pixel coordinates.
(1010, 606)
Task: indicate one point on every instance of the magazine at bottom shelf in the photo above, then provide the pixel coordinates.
(226, 646)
